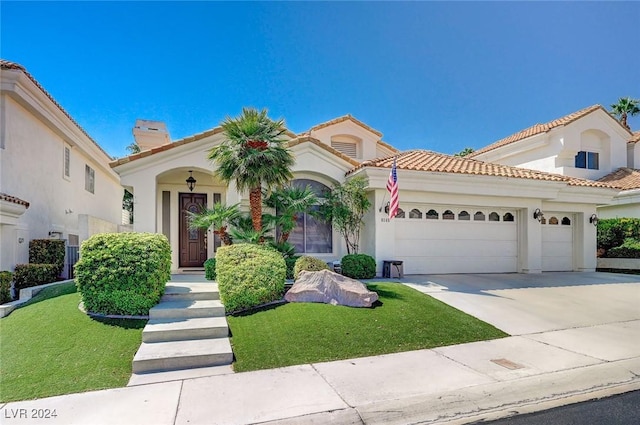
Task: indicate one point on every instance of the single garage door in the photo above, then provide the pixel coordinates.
(557, 242)
(437, 240)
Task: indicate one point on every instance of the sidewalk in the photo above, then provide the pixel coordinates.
(453, 385)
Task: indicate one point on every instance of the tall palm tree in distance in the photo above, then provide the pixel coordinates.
(625, 107)
(254, 156)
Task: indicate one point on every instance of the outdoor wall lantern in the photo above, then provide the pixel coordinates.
(386, 208)
(191, 182)
(537, 214)
(593, 219)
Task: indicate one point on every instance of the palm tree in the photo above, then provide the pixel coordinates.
(254, 156)
(625, 107)
(289, 201)
(219, 216)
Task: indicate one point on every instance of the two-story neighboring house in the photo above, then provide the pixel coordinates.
(588, 144)
(55, 180)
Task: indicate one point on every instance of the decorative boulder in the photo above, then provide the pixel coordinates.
(327, 287)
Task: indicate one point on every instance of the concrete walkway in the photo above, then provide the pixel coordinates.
(569, 355)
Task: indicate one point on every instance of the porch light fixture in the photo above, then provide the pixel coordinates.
(386, 208)
(594, 219)
(191, 182)
(537, 214)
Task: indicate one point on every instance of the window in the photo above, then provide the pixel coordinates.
(494, 216)
(311, 235)
(432, 215)
(415, 213)
(400, 213)
(66, 160)
(588, 160)
(448, 215)
(507, 217)
(89, 179)
(479, 216)
(464, 216)
(566, 221)
(553, 220)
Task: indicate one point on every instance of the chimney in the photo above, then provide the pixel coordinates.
(150, 134)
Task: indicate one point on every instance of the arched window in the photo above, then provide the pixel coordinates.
(553, 220)
(432, 215)
(415, 213)
(494, 216)
(311, 235)
(543, 221)
(400, 213)
(464, 216)
(507, 217)
(448, 215)
(479, 216)
(566, 221)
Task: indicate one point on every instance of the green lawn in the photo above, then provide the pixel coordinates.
(299, 333)
(49, 347)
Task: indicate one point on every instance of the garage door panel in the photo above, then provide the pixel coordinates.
(444, 265)
(557, 246)
(457, 248)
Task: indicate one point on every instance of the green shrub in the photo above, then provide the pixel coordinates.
(123, 273)
(310, 264)
(47, 251)
(5, 286)
(28, 275)
(612, 232)
(629, 249)
(291, 263)
(249, 275)
(210, 269)
(359, 266)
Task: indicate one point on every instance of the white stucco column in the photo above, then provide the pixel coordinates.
(530, 241)
(144, 206)
(385, 232)
(585, 245)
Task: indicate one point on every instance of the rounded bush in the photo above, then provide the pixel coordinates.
(249, 275)
(5, 286)
(359, 266)
(123, 273)
(310, 264)
(210, 269)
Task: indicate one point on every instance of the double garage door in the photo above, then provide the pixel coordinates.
(465, 240)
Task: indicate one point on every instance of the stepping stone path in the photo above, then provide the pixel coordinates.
(187, 336)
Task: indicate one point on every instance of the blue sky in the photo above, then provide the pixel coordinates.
(433, 75)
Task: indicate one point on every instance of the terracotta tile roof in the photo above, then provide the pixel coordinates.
(307, 139)
(538, 129)
(347, 117)
(13, 199)
(421, 160)
(5, 64)
(623, 178)
(635, 137)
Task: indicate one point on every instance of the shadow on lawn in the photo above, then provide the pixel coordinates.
(122, 323)
(384, 293)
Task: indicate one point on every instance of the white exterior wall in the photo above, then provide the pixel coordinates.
(34, 133)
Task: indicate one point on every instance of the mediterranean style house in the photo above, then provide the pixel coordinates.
(55, 180)
(589, 144)
(458, 215)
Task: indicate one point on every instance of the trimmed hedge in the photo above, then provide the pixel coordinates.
(629, 249)
(359, 266)
(5, 286)
(613, 232)
(291, 264)
(47, 251)
(123, 273)
(210, 269)
(28, 275)
(249, 275)
(310, 264)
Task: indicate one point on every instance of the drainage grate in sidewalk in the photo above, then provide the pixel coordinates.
(507, 364)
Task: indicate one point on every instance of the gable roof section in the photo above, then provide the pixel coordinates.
(421, 160)
(13, 200)
(343, 118)
(8, 65)
(307, 139)
(623, 179)
(542, 128)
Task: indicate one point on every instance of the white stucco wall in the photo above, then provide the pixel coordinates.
(32, 168)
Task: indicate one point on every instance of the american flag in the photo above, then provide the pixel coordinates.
(392, 187)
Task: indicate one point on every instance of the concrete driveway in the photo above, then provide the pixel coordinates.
(522, 304)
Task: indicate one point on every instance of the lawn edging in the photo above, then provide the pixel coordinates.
(25, 295)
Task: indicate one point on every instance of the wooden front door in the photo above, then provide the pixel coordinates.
(193, 243)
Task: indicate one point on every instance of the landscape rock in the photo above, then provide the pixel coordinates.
(328, 287)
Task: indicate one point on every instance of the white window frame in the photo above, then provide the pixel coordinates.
(66, 162)
(89, 179)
